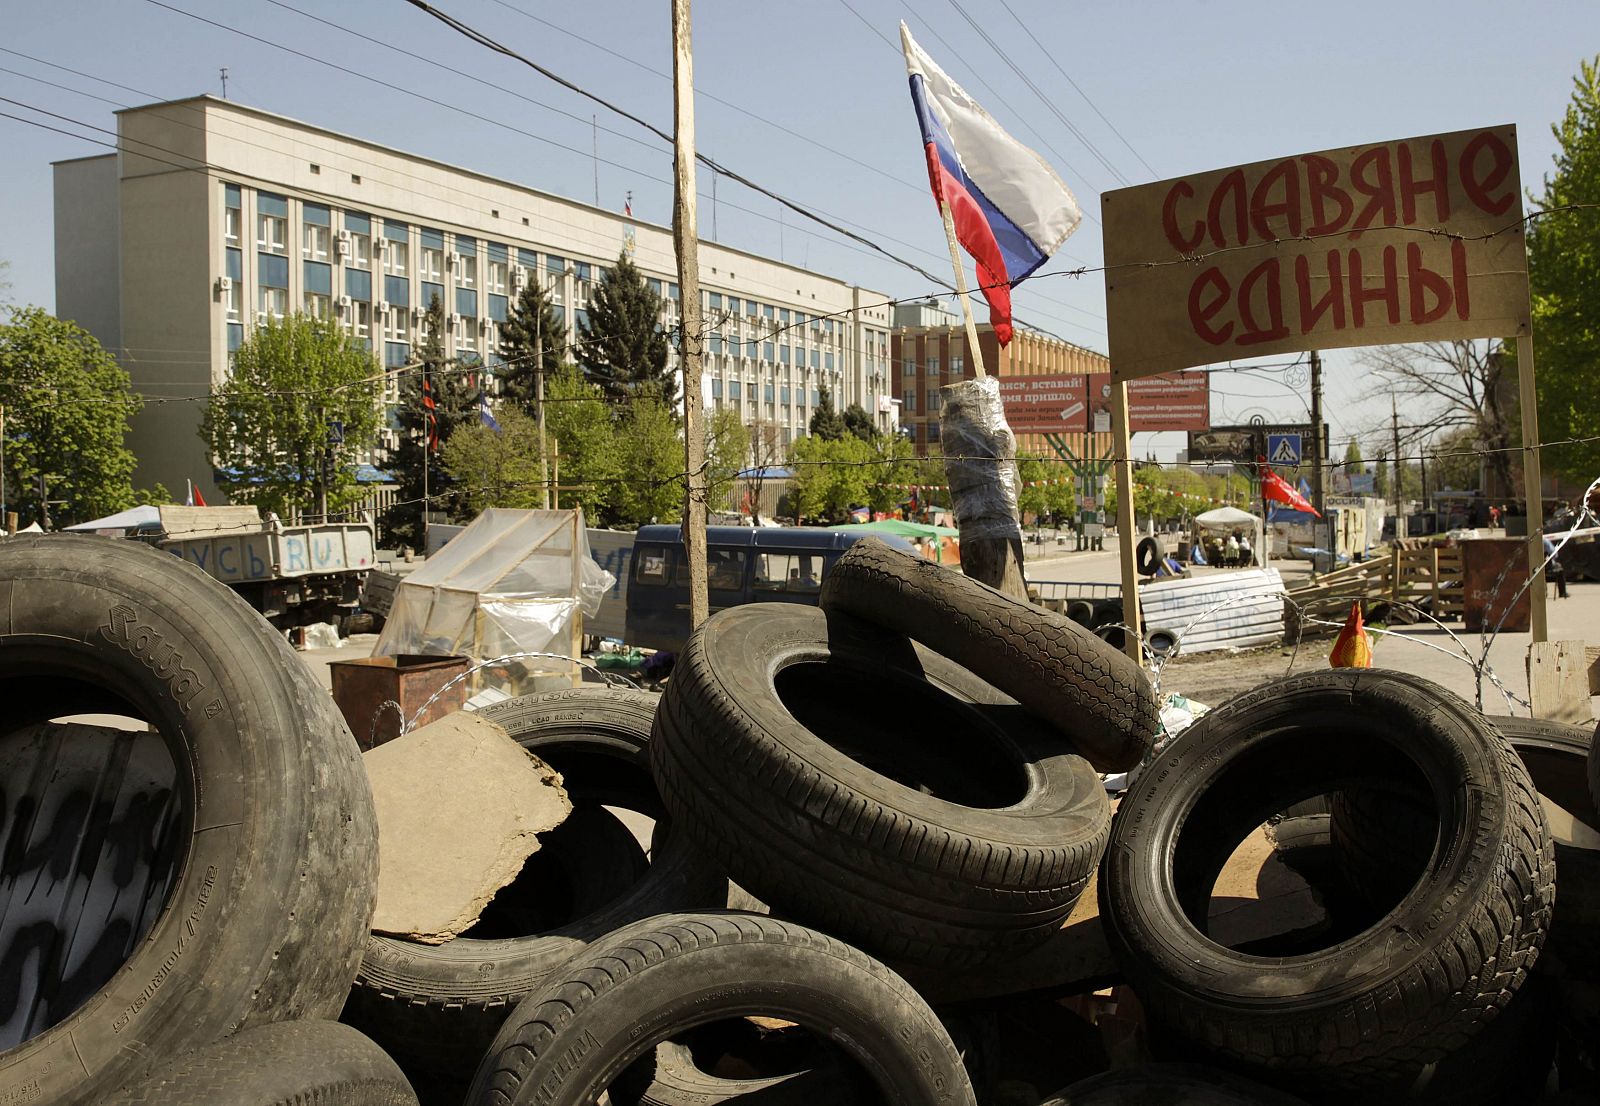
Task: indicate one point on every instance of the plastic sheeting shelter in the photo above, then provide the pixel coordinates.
(511, 582)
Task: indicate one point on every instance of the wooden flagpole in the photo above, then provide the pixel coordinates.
(961, 287)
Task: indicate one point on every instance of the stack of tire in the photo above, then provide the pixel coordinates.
(230, 994)
(906, 778)
(1457, 968)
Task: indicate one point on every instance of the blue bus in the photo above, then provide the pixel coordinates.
(744, 564)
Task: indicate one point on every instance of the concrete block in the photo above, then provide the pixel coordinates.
(460, 806)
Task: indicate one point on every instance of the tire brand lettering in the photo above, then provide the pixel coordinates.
(159, 655)
(551, 1083)
(186, 934)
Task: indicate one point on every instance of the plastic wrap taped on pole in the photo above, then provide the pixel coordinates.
(980, 459)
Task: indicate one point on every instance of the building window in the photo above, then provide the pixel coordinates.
(314, 243)
(231, 213)
(910, 367)
(957, 365)
(910, 401)
(933, 366)
(272, 224)
(498, 277)
(396, 324)
(396, 255)
(319, 305)
(360, 256)
(467, 271)
(272, 303)
(432, 267)
(361, 321)
(934, 402)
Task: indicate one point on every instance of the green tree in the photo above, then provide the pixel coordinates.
(532, 324)
(1564, 275)
(414, 466)
(858, 422)
(1353, 464)
(831, 475)
(648, 487)
(67, 405)
(826, 423)
(581, 436)
(622, 347)
(494, 468)
(1052, 493)
(727, 451)
(894, 467)
(271, 428)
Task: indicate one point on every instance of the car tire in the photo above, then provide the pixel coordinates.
(285, 1064)
(1148, 557)
(266, 918)
(1099, 698)
(806, 813)
(1403, 993)
(440, 1005)
(569, 1041)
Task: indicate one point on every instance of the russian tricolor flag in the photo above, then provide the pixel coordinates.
(1011, 211)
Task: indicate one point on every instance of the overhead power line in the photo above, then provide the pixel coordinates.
(1075, 87)
(710, 163)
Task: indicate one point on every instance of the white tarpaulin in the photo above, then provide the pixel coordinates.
(511, 582)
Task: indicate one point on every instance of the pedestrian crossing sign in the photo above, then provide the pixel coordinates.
(1283, 449)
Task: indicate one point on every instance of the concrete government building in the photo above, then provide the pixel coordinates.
(213, 216)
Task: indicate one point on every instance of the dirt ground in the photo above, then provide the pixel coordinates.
(1212, 678)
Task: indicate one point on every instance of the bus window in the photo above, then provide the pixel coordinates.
(789, 572)
(724, 570)
(650, 565)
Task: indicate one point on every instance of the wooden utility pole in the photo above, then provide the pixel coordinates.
(686, 241)
(1399, 474)
(1122, 460)
(1532, 490)
(1318, 446)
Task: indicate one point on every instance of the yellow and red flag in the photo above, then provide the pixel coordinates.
(1353, 649)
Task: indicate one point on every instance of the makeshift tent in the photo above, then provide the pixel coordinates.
(945, 550)
(1227, 519)
(511, 582)
(131, 519)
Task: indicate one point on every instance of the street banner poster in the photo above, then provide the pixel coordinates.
(1414, 240)
(1076, 403)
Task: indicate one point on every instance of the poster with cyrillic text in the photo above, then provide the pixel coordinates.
(1416, 240)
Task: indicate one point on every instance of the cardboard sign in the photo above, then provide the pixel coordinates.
(1415, 240)
(1073, 403)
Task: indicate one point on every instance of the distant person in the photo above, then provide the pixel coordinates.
(1494, 517)
(1230, 551)
(1244, 551)
(1554, 570)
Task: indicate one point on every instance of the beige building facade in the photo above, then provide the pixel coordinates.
(213, 216)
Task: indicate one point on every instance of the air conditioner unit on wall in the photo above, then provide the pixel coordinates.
(344, 303)
(417, 313)
(383, 307)
(224, 285)
(455, 322)
(344, 243)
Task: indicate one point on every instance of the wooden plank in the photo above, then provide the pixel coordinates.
(1558, 681)
(1591, 657)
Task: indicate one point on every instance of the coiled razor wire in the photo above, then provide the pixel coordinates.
(612, 679)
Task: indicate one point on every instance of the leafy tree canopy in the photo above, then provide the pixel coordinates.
(67, 405)
(1564, 274)
(272, 429)
(494, 468)
(827, 423)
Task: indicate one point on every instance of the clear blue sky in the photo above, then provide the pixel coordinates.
(1189, 85)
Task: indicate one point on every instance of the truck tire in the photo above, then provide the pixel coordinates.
(1099, 698)
(286, 1064)
(947, 828)
(567, 1042)
(1394, 998)
(440, 1005)
(266, 918)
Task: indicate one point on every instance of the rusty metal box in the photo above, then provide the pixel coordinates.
(1493, 570)
(360, 687)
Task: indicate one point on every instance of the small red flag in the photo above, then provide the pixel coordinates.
(199, 500)
(1277, 488)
